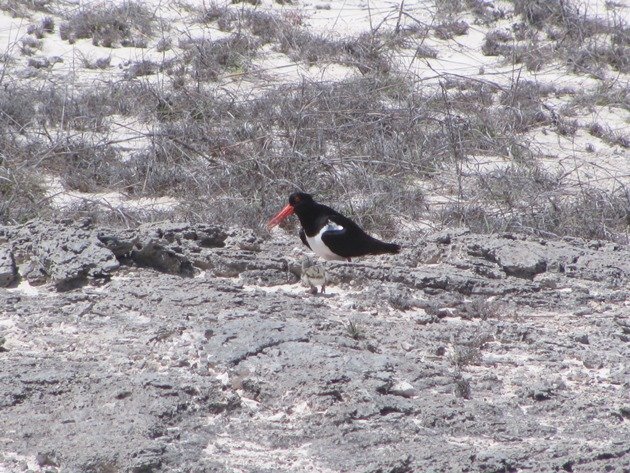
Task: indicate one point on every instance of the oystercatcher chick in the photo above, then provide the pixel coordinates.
(329, 234)
(313, 275)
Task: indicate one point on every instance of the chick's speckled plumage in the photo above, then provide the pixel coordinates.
(313, 275)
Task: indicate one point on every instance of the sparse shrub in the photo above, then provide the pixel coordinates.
(620, 35)
(536, 203)
(21, 191)
(388, 199)
(593, 56)
(451, 29)
(354, 331)
(214, 12)
(302, 45)
(566, 127)
(23, 9)
(223, 15)
(542, 12)
(83, 165)
(164, 44)
(426, 51)
(467, 95)
(400, 298)
(103, 63)
(622, 140)
(467, 349)
(66, 33)
(225, 23)
(481, 308)
(522, 105)
(30, 45)
(362, 145)
(608, 136)
(292, 39)
(462, 387)
(448, 7)
(465, 355)
(48, 24)
(607, 94)
(516, 186)
(142, 68)
(17, 108)
(596, 129)
(266, 26)
(128, 24)
(534, 56)
(485, 11)
(86, 111)
(168, 168)
(209, 58)
(100, 63)
(35, 30)
(585, 43)
(471, 129)
(563, 13)
(497, 42)
(287, 34)
(15, 8)
(368, 52)
(39, 63)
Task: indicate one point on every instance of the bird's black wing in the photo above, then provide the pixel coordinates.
(345, 238)
(303, 238)
(338, 236)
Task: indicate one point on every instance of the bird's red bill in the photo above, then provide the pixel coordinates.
(280, 216)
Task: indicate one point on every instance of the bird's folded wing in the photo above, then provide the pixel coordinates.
(303, 237)
(334, 235)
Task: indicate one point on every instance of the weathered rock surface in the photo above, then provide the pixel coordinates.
(70, 254)
(201, 352)
(64, 253)
(8, 271)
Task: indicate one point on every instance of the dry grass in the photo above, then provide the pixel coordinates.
(561, 29)
(21, 187)
(208, 58)
(370, 52)
(364, 142)
(22, 194)
(362, 145)
(450, 29)
(25, 8)
(129, 24)
(532, 202)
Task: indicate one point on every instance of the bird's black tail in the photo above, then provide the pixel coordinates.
(386, 248)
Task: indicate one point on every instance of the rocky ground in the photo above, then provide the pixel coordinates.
(175, 347)
(168, 347)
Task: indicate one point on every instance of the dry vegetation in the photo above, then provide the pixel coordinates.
(362, 144)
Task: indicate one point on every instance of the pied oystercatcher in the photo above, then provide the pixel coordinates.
(328, 233)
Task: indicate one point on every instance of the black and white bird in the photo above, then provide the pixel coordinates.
(329, 234)
(313, 275)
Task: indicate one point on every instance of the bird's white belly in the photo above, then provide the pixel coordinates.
(319, 247)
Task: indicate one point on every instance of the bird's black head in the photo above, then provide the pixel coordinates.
(299, 203)
(300, 199)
